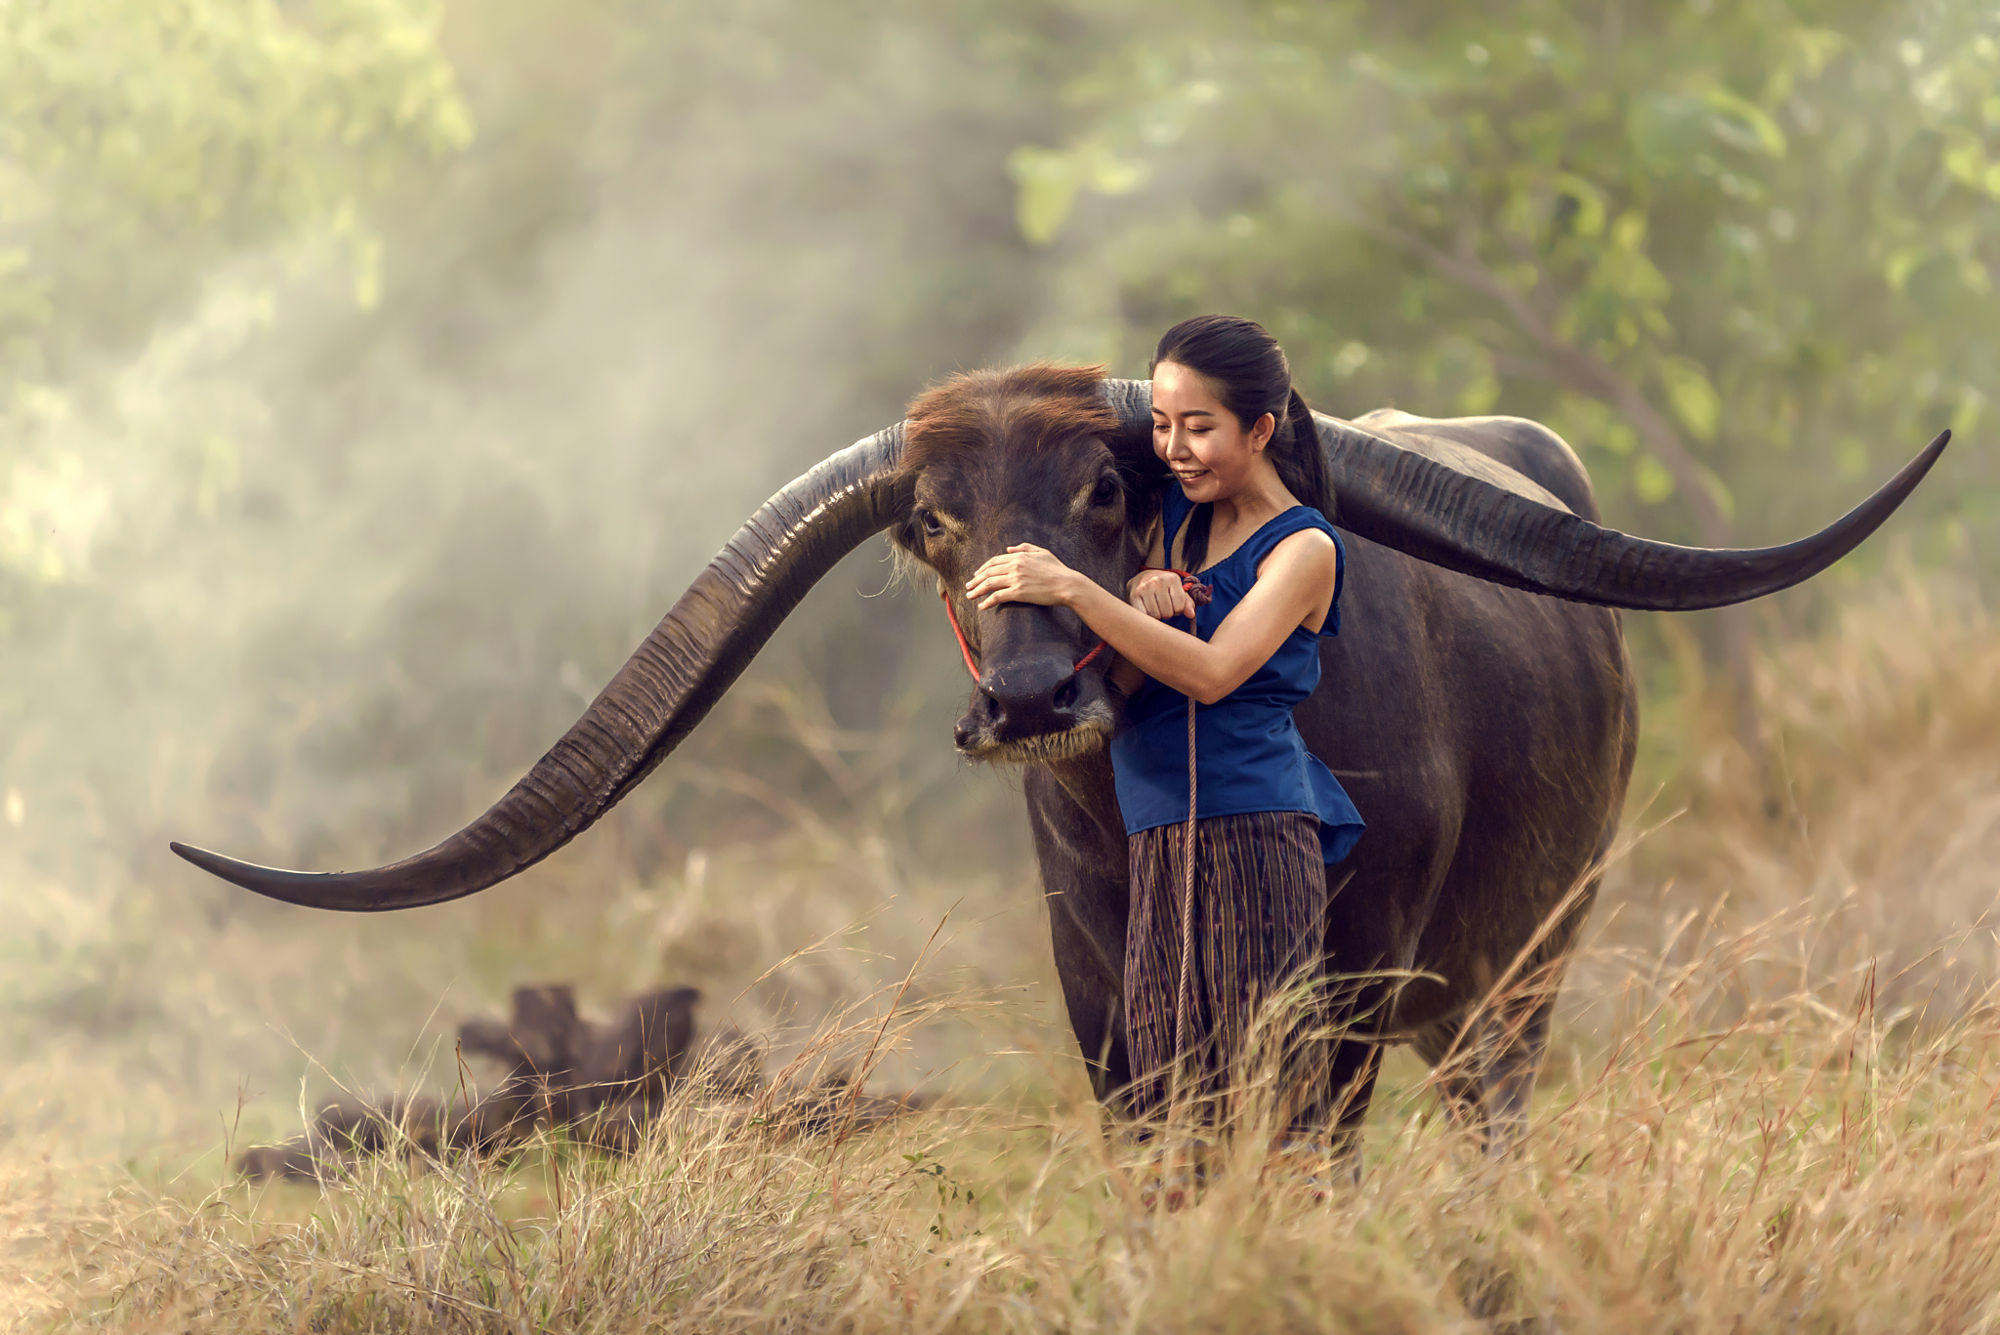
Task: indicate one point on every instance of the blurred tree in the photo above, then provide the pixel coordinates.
(144, 140)
(141, 144)
(1750, 241)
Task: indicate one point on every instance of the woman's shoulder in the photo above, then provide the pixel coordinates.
(1314, 549)
(1307, 547)
(1301, 530)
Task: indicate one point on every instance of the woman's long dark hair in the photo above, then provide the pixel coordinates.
(1248, 371)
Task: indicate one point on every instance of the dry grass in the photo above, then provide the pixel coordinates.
(1772, 1103)
(1880, 843)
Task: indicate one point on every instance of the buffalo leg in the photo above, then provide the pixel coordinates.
(1459, 1094)
(1510, 1078)
(1355, 1059)
(1356, 1063)
(1082, 859)
(1094, 997)
(1356, 1004)
(1499, 1049)
(1485, 1069)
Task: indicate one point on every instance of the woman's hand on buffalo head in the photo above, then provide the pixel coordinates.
(1024, 573)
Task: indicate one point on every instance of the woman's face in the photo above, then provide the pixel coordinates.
(1210, 451)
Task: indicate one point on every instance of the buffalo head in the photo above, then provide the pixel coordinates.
(998, 457)
(1032, 455)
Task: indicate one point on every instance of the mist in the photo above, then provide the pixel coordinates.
(323, 557)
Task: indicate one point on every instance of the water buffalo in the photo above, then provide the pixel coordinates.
(1478, 703)
(605, 1082)
(543, 1083)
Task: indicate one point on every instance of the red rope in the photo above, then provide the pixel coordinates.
(963, 647)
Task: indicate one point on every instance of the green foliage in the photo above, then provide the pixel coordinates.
(145, 139)
(1759, 234)
(1694, 399)
(1049, 181)
(142, 144)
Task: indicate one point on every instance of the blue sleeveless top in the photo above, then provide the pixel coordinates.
(1249, 755)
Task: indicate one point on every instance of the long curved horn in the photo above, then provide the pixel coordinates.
(1463, 522)
(665, 688)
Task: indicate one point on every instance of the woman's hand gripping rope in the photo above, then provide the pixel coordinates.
(1162, 593)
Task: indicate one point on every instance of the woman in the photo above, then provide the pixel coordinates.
(1249, 490)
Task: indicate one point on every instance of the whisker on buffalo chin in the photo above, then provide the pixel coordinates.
(1082, 740)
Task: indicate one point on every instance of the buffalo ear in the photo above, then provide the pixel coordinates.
(488, 1038)
(545, 1025)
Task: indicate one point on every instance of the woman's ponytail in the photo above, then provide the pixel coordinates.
(1306, 475)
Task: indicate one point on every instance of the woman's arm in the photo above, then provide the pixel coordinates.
(1296, 579)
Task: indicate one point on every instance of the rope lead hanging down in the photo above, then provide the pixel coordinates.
(1201, 594)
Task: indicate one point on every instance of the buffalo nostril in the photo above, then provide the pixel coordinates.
(1065, 696)
(960, 734)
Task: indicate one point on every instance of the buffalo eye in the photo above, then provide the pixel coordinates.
(928, 522)
(1106, 490)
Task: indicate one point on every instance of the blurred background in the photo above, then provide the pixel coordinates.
(375, 373)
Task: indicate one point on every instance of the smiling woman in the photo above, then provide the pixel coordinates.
(1271, 815)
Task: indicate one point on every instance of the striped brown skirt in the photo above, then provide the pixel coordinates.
(1259, 913)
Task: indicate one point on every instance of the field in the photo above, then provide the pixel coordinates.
(1771, 1102)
